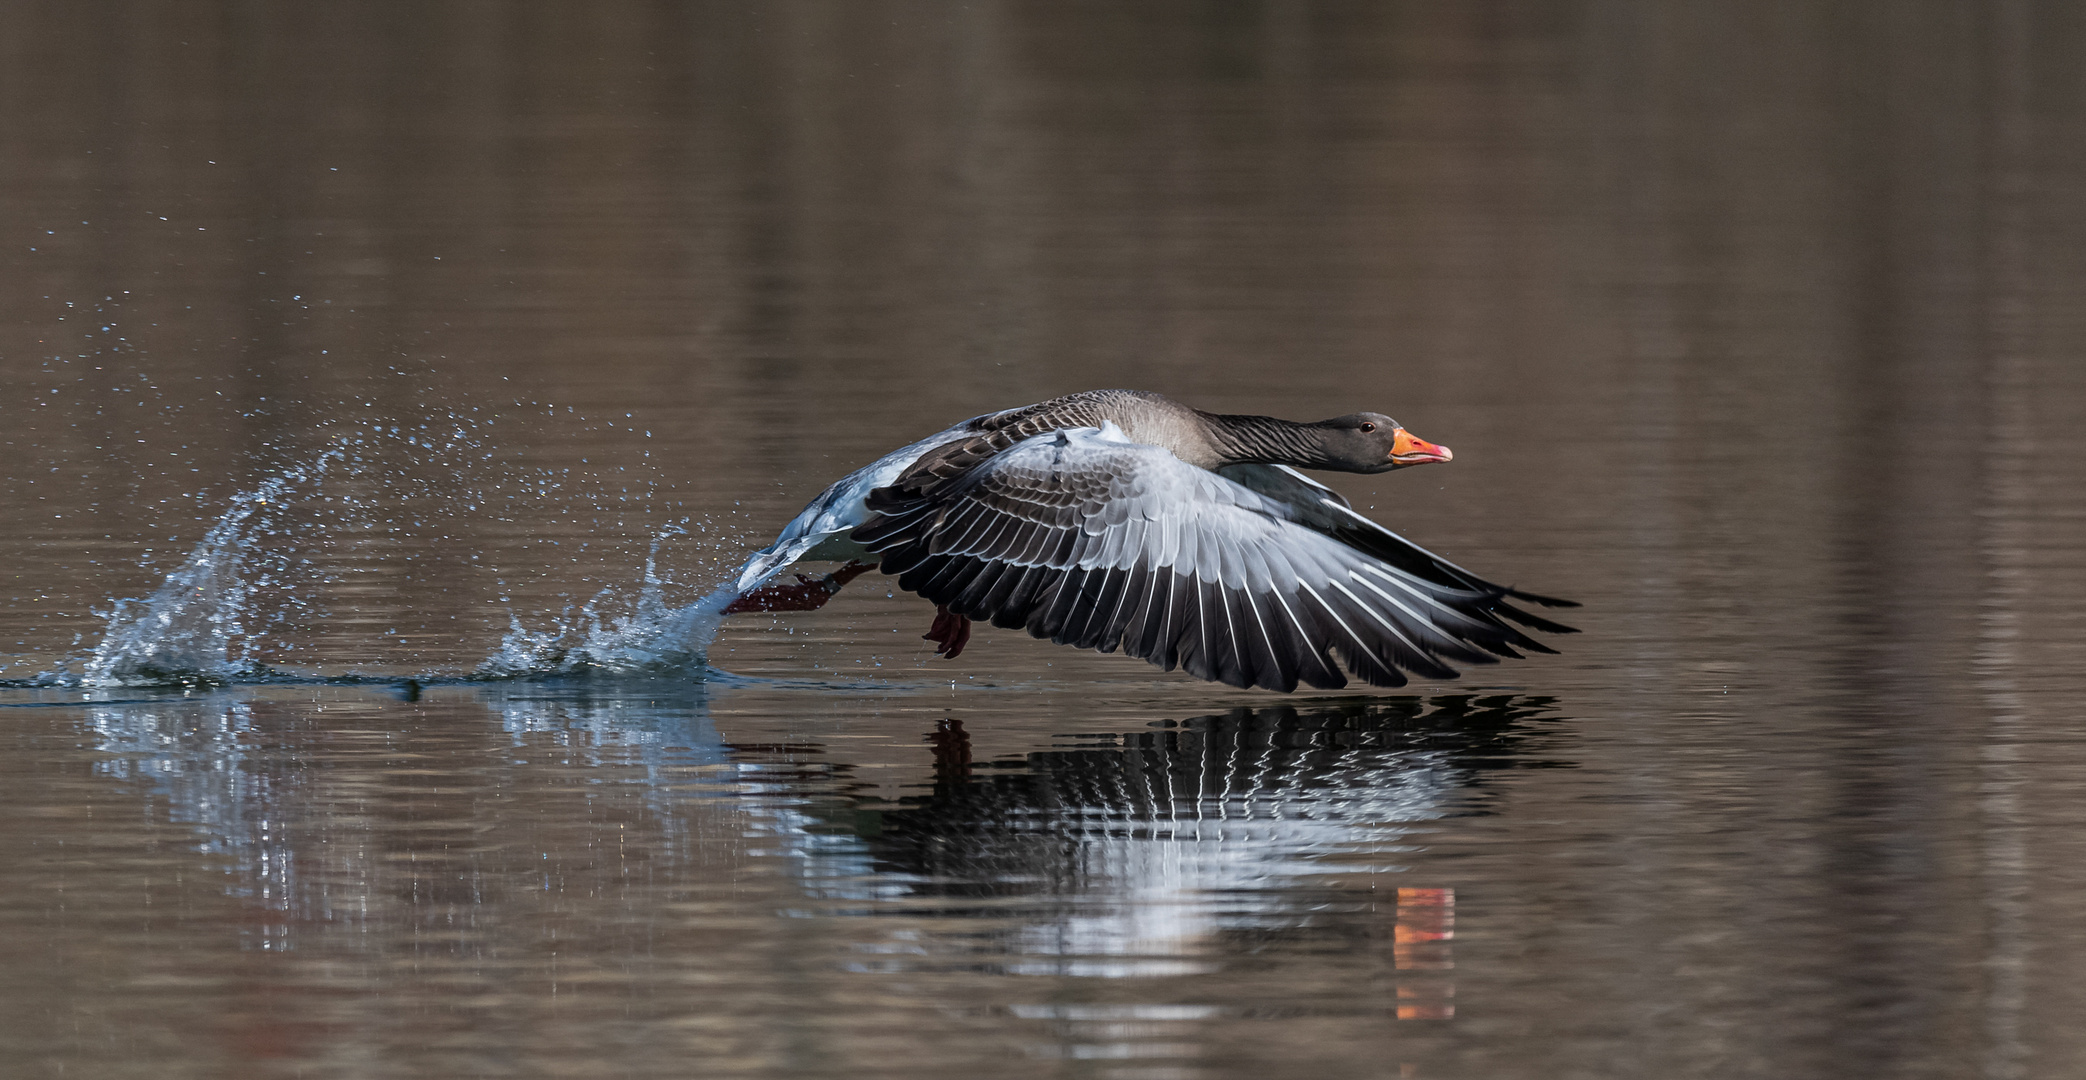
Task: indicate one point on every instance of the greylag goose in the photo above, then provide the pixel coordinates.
(1116, 519)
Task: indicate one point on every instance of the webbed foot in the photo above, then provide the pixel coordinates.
(808, 594)
(950, 632)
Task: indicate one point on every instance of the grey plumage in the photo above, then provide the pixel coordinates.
(1118, 520)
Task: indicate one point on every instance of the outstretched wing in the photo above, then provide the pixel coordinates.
(936, 458)
(1325, 510)
(1087, 539)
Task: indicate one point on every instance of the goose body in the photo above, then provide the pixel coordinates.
(1119, 520)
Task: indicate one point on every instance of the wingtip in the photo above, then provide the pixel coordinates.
(1533, 622)
(1538, 598)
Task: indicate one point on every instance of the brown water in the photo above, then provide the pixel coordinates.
(1756, 328)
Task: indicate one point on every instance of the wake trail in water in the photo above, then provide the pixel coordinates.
(203, 625)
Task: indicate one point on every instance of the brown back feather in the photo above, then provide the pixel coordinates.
(996, 432)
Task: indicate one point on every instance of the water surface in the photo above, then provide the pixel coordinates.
(411, 334)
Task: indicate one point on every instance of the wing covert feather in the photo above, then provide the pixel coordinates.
(1084, 538)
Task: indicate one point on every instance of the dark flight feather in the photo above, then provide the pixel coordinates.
(1083, 538)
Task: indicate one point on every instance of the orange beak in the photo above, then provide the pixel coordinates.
(1410, 449)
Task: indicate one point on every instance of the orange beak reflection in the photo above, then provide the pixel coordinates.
(1410, 449)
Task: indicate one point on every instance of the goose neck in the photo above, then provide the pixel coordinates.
(1265, 440)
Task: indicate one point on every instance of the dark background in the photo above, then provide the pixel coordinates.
(1756, 327)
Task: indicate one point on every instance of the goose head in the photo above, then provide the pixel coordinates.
(1372, 443)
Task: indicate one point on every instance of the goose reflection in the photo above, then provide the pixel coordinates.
(1150, 852)
(1140, 853)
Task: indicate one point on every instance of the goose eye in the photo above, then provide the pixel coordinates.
(1367, 426)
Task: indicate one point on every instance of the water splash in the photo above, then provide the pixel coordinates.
(193, 629)
(273, 590)
(654, 637)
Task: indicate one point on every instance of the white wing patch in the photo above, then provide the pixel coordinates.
(1233, 583)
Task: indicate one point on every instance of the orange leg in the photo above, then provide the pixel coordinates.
(950, 632)
(808, 594)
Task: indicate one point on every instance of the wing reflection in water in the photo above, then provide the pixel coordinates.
(482, 826)
(1137, 854)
